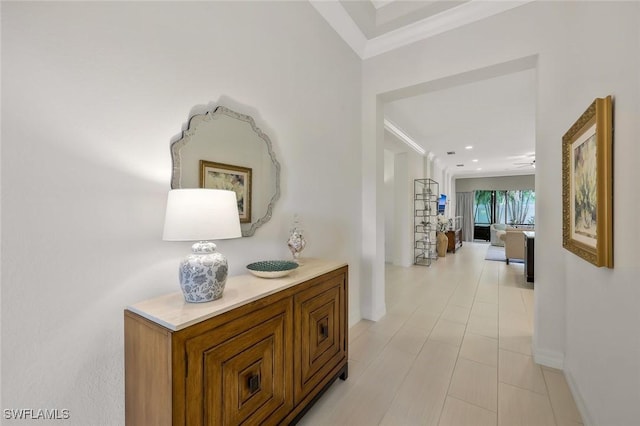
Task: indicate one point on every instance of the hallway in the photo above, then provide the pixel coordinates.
(453, 349)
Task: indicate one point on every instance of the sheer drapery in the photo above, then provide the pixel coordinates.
(464, 208)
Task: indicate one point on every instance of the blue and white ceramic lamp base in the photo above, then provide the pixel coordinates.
(203, 274)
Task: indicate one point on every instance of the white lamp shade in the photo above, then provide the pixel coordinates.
(201, 214)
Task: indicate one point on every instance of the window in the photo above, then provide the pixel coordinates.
(484, 207)
(520, 207)
(515, 207)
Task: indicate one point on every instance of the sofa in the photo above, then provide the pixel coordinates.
(496, 231)
(514, 243)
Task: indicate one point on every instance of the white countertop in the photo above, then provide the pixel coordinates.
(171, 310)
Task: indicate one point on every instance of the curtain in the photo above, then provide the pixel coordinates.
(464, 208)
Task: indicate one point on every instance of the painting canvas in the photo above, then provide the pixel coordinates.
(233, 178)
(585, 203)
(587, 185)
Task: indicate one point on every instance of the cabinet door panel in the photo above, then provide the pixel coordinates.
(319, 333)
(241, 375)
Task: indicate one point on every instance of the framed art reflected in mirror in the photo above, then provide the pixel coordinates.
(232, 178)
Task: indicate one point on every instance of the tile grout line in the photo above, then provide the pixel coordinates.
(553, 410)
(498, 369)
(455, 364)
(466, 325)
(416, 356)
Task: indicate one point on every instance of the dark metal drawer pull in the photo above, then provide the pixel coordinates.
(324, 330)
(253, 383)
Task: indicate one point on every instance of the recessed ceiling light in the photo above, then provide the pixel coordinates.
(475, 160)
(479, 168)
(468, 147)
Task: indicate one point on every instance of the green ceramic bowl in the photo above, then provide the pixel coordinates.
(272, 268)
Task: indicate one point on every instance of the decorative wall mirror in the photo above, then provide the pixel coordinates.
(226, 150)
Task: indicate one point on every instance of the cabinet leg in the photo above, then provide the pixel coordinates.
(345, 372)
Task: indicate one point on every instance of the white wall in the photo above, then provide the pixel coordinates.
(496, 183)
(389, 205)
(602, 349)
(586, 318)
(451, 198)
(438, 175)
(372, 272)
(401, 208)
(402, 166)
(406, 207)
(92, 95)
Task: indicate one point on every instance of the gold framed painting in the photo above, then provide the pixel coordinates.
(587, 192)
(229, 177)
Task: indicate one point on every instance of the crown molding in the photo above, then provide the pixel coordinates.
(341, 22)
(406, 139)
(380, 3)
(464, 14)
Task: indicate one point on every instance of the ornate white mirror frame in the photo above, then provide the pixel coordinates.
(223, 143)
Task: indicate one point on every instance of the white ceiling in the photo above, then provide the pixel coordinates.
(372, 28)
(377, 18)
(494, 115)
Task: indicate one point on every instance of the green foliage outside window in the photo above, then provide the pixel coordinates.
(512, 207)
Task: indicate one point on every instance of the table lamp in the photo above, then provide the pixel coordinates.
(202, 215)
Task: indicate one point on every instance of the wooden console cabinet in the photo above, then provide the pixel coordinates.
(262, 354)
(455, 240)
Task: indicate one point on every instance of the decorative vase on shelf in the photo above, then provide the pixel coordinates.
(296, 241)
(442, 243)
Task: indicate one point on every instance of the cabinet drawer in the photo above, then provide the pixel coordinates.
(241, 373)
(319, 322)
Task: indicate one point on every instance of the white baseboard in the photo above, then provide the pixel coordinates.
(555, 360)
(587, 420)
(551, 359)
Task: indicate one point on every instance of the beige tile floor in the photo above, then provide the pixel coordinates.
(454, 349)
